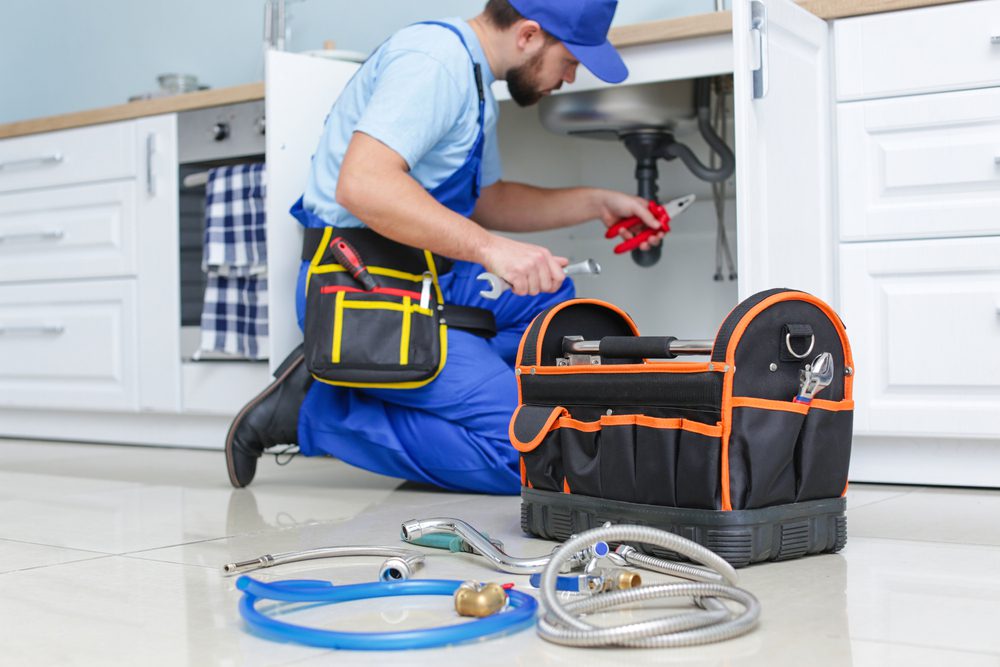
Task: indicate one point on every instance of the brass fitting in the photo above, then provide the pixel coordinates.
(479, 600)
(620, 580)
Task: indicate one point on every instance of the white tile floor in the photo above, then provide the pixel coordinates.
(111, 555)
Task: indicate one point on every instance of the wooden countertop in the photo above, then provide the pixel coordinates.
(198, 100)
(687, 27)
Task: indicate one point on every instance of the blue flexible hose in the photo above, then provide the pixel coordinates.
(520, 615)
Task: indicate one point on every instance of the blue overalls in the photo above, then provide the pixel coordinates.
(451, 433)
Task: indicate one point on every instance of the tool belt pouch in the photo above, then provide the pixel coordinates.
(394, 336)
(716, 451)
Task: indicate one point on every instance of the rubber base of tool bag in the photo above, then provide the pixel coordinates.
(742, 537)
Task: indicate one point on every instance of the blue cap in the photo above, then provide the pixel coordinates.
(582, 26)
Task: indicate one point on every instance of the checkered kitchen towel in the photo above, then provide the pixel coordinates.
(234, 315)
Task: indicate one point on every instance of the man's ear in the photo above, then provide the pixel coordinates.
(530, 37)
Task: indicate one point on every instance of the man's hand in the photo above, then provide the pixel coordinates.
(530, 269)
(615, 206)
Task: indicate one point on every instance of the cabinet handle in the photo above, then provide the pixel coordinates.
(49, 235)
(55, 158)
(33, 329)
(758, 27)
(150, 170)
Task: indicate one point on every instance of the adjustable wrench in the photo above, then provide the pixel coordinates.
(498, 285)
(814, 378)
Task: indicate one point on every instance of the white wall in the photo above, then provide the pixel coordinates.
(58, 56)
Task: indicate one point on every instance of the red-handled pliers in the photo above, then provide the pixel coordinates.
(664, 214)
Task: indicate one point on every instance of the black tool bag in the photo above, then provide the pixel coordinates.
(716, 451)
(394, 336)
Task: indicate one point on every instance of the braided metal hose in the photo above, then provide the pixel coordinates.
(560, 622)
(635, 558)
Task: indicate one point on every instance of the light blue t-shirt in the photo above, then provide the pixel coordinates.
(417, 95)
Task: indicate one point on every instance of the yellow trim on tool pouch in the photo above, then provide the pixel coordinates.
(318, 255)
(338, 327)
(404, 336)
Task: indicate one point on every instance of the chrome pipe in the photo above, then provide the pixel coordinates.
(481, 545)
(400, 563)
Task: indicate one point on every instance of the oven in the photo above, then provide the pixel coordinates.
(211, 137)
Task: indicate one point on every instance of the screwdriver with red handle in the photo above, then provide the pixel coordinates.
(664, 214)
(348, 257)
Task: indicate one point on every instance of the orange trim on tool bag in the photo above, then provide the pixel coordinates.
(832, 406)
(573, 302)
(391, 291)
(727, 385)
(744, 322)
(524, 472)
(727, 429)
(710, 430)
(566, 486)
(768, 404)
(651, 367)
(557, 412)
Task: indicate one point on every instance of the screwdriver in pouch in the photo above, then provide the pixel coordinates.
(348, 257)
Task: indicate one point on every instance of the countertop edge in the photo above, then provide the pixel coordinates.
(140, 109)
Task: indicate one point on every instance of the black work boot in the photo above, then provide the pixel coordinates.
(271, 418)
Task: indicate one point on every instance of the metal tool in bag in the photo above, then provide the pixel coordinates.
(498, 285)
(577, 351)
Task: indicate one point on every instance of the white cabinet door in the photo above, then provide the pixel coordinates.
(923, 50)
(299, 93)
(921, 166)
(924, 322)
(69, 344)
(783, 148)
(158, 244)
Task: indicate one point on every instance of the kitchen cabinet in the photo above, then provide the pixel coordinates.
(918, 126)
(85, 291)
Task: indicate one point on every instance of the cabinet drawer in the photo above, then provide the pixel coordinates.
(920, 166)
(81, 155)
(69, 344)
(947, 47)
(75, 232)
(924, 321)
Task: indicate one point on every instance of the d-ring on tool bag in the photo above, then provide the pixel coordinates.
(721, 452)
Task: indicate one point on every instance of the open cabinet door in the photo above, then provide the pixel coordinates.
(783, 148)
(299, 91)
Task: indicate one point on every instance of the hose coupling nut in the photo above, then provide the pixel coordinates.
(397, 569)
(411, 530)
(479, 600)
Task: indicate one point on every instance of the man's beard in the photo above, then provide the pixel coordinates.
(522, 81)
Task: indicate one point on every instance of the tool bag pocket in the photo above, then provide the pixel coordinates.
(636, 458)
(391, 337)
(782, 452)
(823, 450)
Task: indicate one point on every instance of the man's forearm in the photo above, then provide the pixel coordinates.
(516, 207)
(396, 206)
